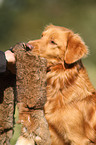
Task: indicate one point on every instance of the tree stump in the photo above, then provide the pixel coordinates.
(31, 96)
(28, 90)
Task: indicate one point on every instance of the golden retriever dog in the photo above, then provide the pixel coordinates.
(70, 109)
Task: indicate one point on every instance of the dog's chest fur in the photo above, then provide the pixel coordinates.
(66, 88)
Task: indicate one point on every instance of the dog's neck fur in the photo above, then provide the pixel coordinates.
(69, 81)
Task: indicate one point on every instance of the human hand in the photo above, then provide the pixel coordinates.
(10, 57)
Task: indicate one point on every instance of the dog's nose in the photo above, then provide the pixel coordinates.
(28, 46)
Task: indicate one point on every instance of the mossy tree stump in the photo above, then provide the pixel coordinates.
(28, 90)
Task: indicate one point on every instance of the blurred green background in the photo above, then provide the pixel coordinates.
(24, 20)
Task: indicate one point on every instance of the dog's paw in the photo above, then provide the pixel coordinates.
(25, 141)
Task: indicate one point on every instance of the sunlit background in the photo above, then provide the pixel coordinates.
(24, 20)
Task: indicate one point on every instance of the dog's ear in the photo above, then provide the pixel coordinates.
(76, 49)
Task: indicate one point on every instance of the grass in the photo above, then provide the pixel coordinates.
(17, 129)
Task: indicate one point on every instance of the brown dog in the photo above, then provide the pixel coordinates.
(71, 99)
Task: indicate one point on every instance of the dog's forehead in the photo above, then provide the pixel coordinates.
(50, 32)
(55, 30)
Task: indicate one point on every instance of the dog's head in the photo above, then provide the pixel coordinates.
(59, 44)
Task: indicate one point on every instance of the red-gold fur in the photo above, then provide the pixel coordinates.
(71, 100)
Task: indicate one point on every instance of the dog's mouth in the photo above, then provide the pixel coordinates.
(28, 47)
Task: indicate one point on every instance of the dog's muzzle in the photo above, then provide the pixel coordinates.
(28, 46)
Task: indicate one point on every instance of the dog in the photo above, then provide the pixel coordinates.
(70, 109)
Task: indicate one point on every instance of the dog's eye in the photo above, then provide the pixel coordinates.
(53, 42)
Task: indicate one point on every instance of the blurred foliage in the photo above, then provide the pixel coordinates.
(24, 20)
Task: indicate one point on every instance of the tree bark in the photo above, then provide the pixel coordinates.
(28, 90)
(31, 95)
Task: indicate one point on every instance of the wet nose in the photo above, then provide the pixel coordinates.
(28, 46)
